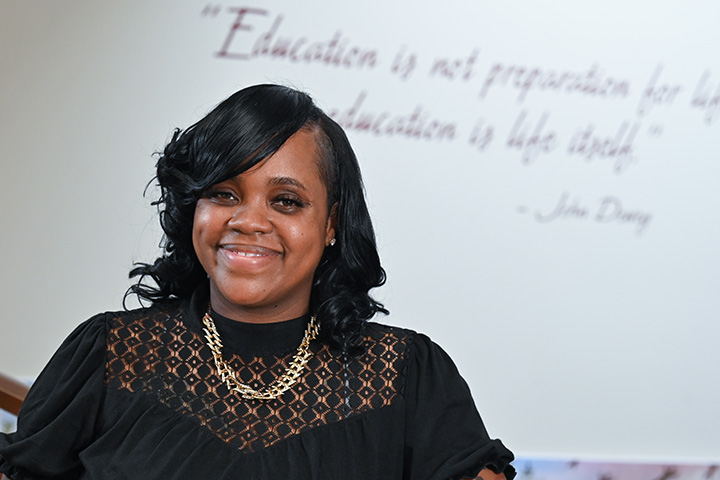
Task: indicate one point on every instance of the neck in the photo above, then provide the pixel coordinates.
(251, 314)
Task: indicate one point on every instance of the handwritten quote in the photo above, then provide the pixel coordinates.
(257, 33)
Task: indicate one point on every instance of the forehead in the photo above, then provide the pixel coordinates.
(297, 159)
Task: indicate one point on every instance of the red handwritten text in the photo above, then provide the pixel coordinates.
(242, 44)
(590, 83)
(654, 94)
(453, 68)
(531, 139)
(418, 124)
(591, 146)
(706, 101)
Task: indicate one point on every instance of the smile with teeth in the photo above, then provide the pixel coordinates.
(247, 253)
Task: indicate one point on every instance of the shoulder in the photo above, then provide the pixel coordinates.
(158, 315)
(134, 336)
(401, 342)
(86, 346)
(374, 332)
(388, 341)
(408, 353)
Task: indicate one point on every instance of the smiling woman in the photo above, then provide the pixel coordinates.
(257, 358)
(260, 235)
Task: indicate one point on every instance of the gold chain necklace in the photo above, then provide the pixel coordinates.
(279, 386)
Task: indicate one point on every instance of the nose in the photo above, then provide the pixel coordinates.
(250, 219)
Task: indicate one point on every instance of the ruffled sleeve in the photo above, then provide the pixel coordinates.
(57, 419)
(446, 438)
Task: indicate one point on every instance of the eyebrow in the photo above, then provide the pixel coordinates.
(286, 181)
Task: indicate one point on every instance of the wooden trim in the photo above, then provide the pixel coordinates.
(12, 394)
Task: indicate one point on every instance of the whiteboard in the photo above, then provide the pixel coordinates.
(543, 177)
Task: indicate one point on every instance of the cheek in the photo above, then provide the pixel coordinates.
(297, 236)
(306, 239)
(199, 229)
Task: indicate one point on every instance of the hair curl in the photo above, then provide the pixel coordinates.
(240, 132)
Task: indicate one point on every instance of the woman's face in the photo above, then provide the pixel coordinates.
(260, 235)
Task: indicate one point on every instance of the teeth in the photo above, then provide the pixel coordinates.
(249, 254)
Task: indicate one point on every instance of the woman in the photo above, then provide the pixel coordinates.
(256, 359)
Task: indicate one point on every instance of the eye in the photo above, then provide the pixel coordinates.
(222, 197)
(288, 203)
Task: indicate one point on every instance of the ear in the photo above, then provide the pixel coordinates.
(331, 225)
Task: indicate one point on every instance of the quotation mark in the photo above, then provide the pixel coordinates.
(211, 10)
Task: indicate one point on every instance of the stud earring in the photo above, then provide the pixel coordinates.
(332, 242)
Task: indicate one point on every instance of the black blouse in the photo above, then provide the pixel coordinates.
(135, 395)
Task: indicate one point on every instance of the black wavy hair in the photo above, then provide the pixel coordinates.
(239, 133)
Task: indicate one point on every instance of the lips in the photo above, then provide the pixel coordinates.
(247, 256)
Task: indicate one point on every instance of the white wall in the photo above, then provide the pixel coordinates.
(578, 336)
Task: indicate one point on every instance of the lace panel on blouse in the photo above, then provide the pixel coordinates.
(155, 353)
